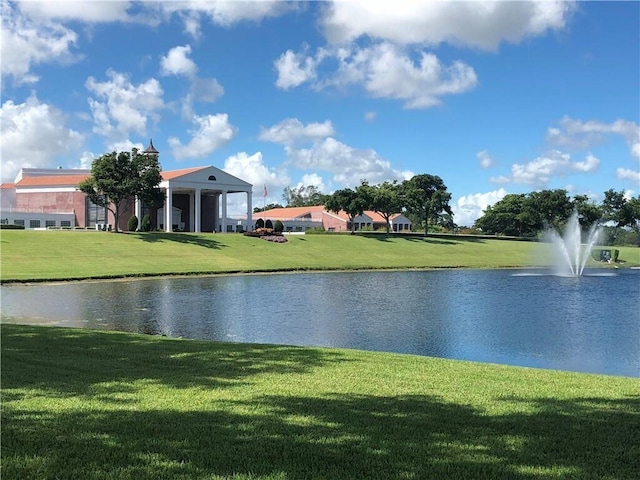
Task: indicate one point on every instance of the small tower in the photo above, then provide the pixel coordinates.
(151, 150)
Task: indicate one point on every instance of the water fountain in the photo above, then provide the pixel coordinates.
(570, 254)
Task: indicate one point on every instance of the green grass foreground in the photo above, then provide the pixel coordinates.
(80, 404)
(62, 255)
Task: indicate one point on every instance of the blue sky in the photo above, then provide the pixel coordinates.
(494, 97)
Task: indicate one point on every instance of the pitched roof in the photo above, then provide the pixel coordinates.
(7, 185)
(291, 212)
(171, 174)
(52, 180)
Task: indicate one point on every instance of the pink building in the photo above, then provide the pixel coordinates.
(195, 201)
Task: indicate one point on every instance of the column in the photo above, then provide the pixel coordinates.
(138, 212)
(198, 210)
(168, 211)
(224, 212)
(249, 225)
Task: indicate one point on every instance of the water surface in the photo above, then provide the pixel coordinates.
(587, 324)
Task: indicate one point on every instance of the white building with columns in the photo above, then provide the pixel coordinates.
(196, 200)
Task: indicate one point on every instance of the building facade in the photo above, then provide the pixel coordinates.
(195, 200)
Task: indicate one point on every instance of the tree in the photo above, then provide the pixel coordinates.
(387, 200)
(544, 209)
(622, 212)
(116, 178)
(588, 212)
(303, 196)
(352, 202)
(270, 206)
(426, 197)
(504, 217)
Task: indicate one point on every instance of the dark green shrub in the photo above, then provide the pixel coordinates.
(11, 227)
(146, 223)
(278, 227)
(259, 223)
(132, 223)
(268, 224)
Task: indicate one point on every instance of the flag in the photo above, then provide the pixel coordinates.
(264, 192)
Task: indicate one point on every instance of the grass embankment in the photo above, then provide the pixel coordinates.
(95, 405)
(60, 255)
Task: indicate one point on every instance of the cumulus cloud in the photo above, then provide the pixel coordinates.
(628, 174)
(579, 134)
(99, 12)
(123, 107)
(348, 165)
(294, 69)
(252, 169)
(25, 43)
(211, 133)
(223, 12)
(383, 70)
(33, 135)
(291, 130)
(479, 24)
(177, 62)
(485, 159)
(540, 171)
(468, 208)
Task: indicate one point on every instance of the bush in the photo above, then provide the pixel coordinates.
(146, 223)
(132, 223)
(268, 224)
(278, 227)
(259, 223)
(11, 227)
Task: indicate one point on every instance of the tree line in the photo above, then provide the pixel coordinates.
(527, 214)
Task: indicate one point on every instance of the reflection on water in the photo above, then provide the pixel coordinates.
(590, 323)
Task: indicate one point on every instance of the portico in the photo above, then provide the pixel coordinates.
(196, 200)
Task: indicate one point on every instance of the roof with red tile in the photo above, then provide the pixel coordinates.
(52, 180)
(7, 185)
(171, 174)
(297, 212)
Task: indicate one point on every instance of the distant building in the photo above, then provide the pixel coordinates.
(300, 219)
(195, 201)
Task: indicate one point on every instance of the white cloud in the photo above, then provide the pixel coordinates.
(539, 172)
(33, 135)
(628, 174)
(24, 44)
(125, 146)
(291, 130)
(468, 208)
(252, 169)
(125, 107)
(477, 24)
(485, 159)
(312, 179)
(212, 132)
(384, 70)
(370, 116)
(348, 165)
(223, 12)
(579, 134)
(294, 69)
(79, 10)
(177, 62)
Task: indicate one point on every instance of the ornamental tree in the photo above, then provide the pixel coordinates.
(117, 178)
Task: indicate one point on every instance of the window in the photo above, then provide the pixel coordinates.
(49, 223)
(4, 221)
(65, 223)
(212, 178)
(34, 223)
(19, 222)
(95, 214)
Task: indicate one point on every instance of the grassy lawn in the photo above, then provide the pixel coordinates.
(79, 404)
(51, 255)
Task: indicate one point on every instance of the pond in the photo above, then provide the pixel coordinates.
(586, 324)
